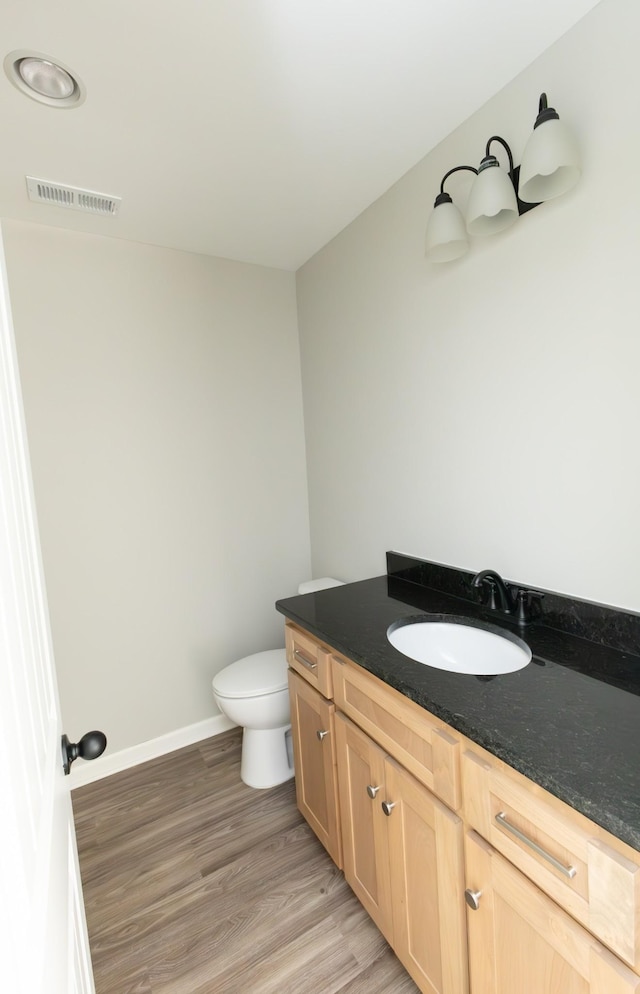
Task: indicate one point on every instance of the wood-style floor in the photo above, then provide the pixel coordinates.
(196, 884)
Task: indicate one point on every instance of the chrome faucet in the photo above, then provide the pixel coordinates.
(517, 602)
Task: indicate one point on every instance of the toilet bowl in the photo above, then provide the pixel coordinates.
(253, 692)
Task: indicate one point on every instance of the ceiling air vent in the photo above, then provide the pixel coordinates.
(59, 195)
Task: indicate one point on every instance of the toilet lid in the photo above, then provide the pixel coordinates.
(253, 676)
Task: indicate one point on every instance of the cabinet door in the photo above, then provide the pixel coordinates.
(364, 829)
(520, 940)
(426, 853)
(314, 754)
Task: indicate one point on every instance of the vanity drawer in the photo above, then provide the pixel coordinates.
(424, 745)
(588, 872)
(310, 658)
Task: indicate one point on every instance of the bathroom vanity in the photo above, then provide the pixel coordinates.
(491, 827)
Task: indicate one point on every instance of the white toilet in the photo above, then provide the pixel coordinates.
(253, 693)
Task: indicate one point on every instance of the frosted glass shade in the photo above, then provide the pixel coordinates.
(446, 237)
(492, 202)
(550, 163)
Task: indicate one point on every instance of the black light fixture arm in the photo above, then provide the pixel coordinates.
(456, 169)
(497, 138)
(443, 197)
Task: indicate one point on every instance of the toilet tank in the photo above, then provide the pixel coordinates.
(310, 586)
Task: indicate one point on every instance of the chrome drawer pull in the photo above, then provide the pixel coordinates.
(568, 871)
(372, 791)
(320, 734)
(305, 662)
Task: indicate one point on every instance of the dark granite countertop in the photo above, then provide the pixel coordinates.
(569, 721)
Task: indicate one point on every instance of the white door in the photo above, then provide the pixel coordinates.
(43, 939)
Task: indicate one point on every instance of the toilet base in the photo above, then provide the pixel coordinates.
(265, 757)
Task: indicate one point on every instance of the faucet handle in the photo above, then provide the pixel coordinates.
(525, 600)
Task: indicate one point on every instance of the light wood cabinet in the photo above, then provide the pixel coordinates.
(558, 898)
(314, 755)
(421, 742)
(587, 872)
(520, 940)
(364, 834)
(310, 658)
(427, 884)
(403, 857)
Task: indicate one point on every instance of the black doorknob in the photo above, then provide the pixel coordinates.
(90, 746)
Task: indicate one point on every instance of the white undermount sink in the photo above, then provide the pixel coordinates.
(460, 647)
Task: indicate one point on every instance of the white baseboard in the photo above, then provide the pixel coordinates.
(83, 772)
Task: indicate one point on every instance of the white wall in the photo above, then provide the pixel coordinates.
(164, 415)
(486, 413)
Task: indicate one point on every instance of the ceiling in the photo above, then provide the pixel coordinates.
(252, 129)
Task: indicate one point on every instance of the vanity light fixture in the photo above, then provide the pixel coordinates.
(550, 167)
(44, 79)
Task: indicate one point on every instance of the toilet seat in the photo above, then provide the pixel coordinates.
(253, 676)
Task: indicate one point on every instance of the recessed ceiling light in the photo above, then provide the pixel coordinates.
(44, 79)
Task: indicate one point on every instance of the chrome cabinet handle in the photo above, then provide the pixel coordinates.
(472, 897)
(320, 734)
(372, 791)
(387, 806)
(305, 662)
(568, 871)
